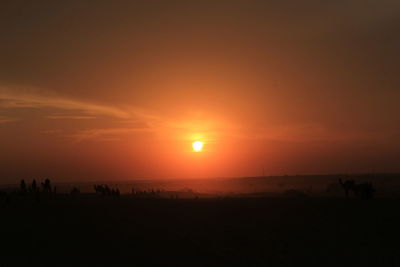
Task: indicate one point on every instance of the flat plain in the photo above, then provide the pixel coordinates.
(92, 230)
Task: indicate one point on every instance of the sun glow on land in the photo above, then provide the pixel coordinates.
(197, 146)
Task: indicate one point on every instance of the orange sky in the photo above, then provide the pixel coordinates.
(106, 90)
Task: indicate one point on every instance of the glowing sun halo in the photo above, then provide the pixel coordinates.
(197, 146)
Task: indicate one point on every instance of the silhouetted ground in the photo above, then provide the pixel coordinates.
(90, 230)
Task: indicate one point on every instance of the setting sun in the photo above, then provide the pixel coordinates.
(197, 146)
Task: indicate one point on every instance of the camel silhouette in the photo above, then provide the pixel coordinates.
(105, 190)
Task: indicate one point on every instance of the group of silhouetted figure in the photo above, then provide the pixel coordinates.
(105, 190)
(33, 188)
(361, 190)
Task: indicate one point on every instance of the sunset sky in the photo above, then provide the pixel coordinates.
(115, 90)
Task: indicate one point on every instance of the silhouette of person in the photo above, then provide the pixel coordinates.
(22, 186)
(46, 186)
(34, 186)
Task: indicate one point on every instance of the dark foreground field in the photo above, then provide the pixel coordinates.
(97, 231)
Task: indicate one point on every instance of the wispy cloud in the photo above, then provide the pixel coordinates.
(7, 119)
(10, 99)
(14, 99)
(69, 117)
(135, 119)
(111, 134)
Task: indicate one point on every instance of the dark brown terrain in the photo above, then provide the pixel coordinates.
(92, 230)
